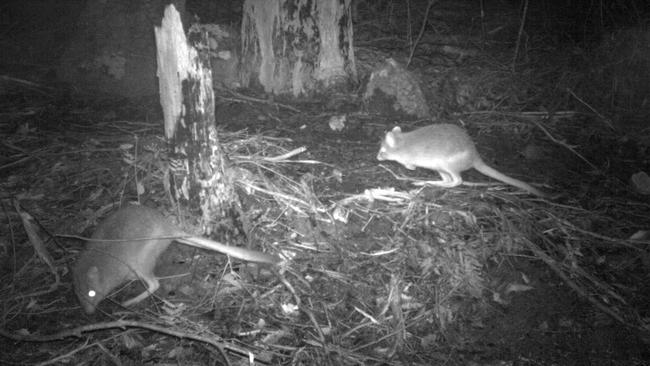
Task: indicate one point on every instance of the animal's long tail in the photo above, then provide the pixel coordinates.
(493, 173)
(236, 252)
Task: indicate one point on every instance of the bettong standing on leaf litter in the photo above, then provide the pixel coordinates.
(445, 148)
(126, 245)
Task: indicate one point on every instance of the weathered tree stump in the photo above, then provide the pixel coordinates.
(297, 47)
(188, 105)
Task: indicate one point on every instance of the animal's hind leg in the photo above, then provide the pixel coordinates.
(152, 286)
(449, 179)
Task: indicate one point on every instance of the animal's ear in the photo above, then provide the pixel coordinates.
(390, 139)
(396, 129)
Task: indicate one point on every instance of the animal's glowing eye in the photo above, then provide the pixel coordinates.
(91, 293)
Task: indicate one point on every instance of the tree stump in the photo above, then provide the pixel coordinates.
(187, 100)
(297, 47)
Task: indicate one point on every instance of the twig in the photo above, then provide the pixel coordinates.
(33, 233)
(562, 143)
(527, 115)
(287, 155)
(378, 194)
(123, 324)
(483, 33)
(63, 357)
(262, 101)
(606, 120)
(27, 84)
(17, 162)
(553, 264)
(424, 25)
(520, 34)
